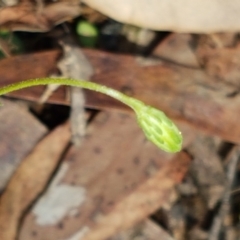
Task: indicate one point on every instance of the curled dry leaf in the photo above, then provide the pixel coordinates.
(181, 16)
(28, 17)
(30, 179)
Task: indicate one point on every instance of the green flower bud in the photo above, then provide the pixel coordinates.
(159, 129)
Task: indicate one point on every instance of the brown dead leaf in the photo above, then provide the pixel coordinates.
(183, 93)
(170, 15)
(27, 16)
(30, 179)
(177, 48)
(17, 139)
(151, 195)
(114, 180)
(220, 61)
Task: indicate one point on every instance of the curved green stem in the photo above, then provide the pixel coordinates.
(157, 127)
(70, 82)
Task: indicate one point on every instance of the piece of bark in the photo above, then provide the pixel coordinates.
(17, 139)
(183, 93)
(114, 180)
(30, 179)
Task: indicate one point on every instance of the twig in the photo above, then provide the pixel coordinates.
(75, 65)
(225, 205)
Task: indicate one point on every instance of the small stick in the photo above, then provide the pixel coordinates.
(225, 205)
(74, 64)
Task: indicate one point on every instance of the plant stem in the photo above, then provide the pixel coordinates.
(133, 103)
(157, 127)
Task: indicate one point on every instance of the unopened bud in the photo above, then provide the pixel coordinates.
(159, 129)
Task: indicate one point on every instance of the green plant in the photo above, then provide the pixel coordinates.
(157, 127)
(87, 33)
